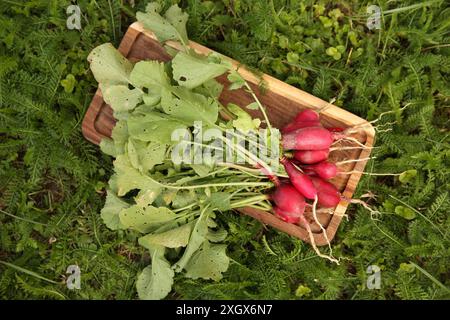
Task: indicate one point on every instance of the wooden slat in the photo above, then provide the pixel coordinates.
(282, 101)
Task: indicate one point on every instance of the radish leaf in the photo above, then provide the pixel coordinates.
(145, 155)
(149, 74)
(153, 127)
(244, 121)
(128, 178)
(174, 238)
(198, 236)
(189, 107)
(172, 28)
(108, 146)
(155, 281)
(145, 219)
(120, 98)
(208, 262)
(111, 210)
(109, 66)
(191, 71)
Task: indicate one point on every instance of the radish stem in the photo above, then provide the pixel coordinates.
(224, 184)
(238, 167)
(261, 108)
(259, 206)
(252, 200)
(257, 162)
(186, 207)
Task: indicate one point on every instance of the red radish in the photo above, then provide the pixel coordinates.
(299, 125)
(307, 115)
(300, 180)
(323, 185)
(304, 119)
(314, 138)
(288, 199)
(328, 200)
(328, 196)
(336, 129)
(311, 156)
(326, 170)
(287, 216)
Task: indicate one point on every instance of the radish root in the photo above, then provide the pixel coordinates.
(328, 211)
(379, 128)
(320, 225)
(376, 120)
(356, 160)
(350, 148)
(350, 139)
(370, 174)
(374, 214)
(313, 243)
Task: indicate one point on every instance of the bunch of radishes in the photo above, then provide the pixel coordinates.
(308, 170)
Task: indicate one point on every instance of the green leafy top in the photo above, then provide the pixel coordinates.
(149, 106)
(170, 27)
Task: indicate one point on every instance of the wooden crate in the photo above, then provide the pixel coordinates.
(282, 101)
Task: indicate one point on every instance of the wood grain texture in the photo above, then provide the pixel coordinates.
(282, 101)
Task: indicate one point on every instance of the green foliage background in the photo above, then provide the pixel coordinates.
(52, 180)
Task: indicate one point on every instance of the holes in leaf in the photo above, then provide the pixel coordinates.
(183, 78)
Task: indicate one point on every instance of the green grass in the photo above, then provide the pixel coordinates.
(52, 180)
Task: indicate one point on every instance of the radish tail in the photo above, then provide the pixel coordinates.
(356, 160)
(313, 243)
(314, 206)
